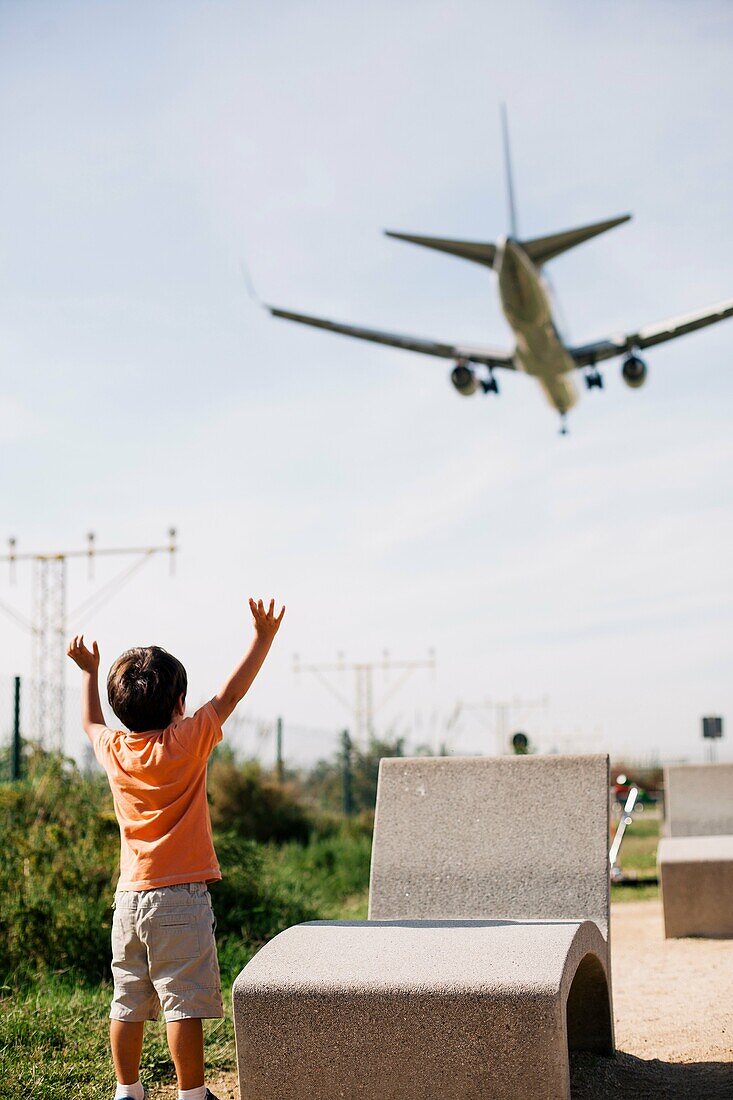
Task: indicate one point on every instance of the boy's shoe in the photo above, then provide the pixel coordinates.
(210, 1095)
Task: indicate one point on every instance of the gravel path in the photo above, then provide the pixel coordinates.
(673, 1003)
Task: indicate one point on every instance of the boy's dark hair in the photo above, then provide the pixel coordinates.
(143, 687)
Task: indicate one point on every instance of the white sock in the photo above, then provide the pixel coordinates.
(192, 1094)
(135, 1092)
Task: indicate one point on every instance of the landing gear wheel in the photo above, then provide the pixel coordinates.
(490, 385)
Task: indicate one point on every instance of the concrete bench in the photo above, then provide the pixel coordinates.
(484, 959)
(695, 857)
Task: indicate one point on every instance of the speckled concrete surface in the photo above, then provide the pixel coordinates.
(416, 1004)
(673, 1018)
(696, 878)
(695, 856)
(419, 1009)
(523, 838)
(698, 800)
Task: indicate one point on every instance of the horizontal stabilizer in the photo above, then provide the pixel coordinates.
(542, 249)
(478, 251)
(539, 249)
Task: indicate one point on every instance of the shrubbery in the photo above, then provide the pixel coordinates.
(59, 851)
(247, 801)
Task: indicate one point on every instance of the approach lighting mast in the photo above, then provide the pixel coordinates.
(362, 706)
(49, 622)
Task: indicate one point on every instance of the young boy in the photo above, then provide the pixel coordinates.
(163, 949)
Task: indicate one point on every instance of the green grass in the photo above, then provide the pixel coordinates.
(53, 1029)
(53, 1044)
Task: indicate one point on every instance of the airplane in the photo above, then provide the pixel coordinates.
(539, 350)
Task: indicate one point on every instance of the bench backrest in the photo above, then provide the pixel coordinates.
(515, 838)
(698, 800)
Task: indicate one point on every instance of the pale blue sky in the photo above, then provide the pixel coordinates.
(148, 147)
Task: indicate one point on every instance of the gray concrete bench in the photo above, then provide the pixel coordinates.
(695, 857)
(484, 959)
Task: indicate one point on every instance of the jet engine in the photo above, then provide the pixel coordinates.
(464, 379)
(634, 371)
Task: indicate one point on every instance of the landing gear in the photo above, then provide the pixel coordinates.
(593, 379)
(634, 370)
(490, 385)
(563, 425)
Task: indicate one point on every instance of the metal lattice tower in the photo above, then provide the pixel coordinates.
(49, 623)
(363, 706)
(49, 636)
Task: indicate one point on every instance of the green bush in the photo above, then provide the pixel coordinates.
(325, 782)
(329, 870)
(252, 902)
(59, 850)
(245, 800)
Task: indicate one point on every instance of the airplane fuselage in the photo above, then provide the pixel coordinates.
(526, 305)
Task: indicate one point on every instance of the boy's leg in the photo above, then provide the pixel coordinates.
(126, 1040)
(186, 1044)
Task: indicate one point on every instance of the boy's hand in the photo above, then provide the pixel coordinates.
(87, 660)
(266, 623)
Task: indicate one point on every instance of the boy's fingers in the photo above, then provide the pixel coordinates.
(271, 607)
(95, 649)
(279, 619)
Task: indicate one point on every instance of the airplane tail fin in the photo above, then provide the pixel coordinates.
(513, 228)
(539, 249)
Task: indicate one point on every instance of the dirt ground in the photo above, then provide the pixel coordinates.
(673, 1003)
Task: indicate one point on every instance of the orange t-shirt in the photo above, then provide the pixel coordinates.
(158, 782)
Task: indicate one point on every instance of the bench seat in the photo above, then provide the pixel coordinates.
(696, 877)
(485, 957)
(384, 1010)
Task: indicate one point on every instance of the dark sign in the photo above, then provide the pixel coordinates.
(712, 727)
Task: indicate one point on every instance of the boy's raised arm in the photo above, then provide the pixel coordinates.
(266, 624)
(92, 718)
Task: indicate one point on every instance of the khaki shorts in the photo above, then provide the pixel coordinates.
(164, 954)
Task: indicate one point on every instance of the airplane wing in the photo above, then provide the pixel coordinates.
(650, 335)
(490, 357)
